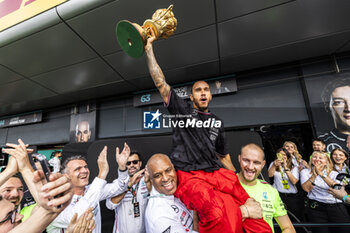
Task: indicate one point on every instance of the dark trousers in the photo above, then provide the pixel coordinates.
(295, 205)
(319, 212)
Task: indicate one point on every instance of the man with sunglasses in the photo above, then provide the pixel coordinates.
(130, 206)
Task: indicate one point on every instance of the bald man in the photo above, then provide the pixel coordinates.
(200, 155)
(252, 161)
(165, 212)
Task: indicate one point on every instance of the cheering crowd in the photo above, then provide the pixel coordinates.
(194, 189)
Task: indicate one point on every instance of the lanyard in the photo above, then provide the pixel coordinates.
(282, 173)
(284, 182)
(134, 193)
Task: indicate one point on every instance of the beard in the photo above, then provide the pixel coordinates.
(197, 105)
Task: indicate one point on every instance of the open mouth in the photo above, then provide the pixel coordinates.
(168, 186)
(83, 177)
(14, 201)
(250, 173)
(203, 100)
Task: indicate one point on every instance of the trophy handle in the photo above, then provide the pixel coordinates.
(158, 23)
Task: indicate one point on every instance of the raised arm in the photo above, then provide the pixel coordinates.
(49, 207)
(272, 169)
(155, 71)
(11, 169)
(20, 153)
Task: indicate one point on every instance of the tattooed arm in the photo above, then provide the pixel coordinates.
(155, 70)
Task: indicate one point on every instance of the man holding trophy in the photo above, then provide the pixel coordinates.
(207, 182)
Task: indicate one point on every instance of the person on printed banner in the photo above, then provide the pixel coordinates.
(336, 98)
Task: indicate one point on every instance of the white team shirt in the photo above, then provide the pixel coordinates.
(320, 191)
(125, 221)
(167, 214)
(345, 169)
(277, 180)
(97, 191)
(56, 164)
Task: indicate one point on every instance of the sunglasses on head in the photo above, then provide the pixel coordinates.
(11, 216)
(133, 162)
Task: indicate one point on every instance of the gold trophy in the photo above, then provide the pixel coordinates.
(132, 37)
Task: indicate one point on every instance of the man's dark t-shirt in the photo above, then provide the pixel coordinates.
(202, 136)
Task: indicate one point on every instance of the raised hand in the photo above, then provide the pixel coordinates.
(319, 168)
(12, 167)
(102, 163)
(277, 163)
(136, 177)
(147, 180)
(150, 40)
(55, 195)
(122, 157)
(20, 153)
(85, 223)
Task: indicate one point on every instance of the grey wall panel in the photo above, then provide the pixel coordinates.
(199, 46)
(344, 62)
(53, 131)
(282, 54)
(77, 77)
(280, 25)
(102, 20)
(111, 89)
(314, 67)
(228, 9)
(44, 51)
(133, 117)
(266, 77)
(279, 103)
(73, 8)
(3, 136)
(182, 75)
(7, 75)
(28, 91)
(110, 122)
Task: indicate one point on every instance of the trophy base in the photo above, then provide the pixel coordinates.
(130, 39)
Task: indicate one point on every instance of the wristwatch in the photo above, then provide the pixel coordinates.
(324, 176)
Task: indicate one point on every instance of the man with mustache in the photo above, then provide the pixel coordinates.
(12, 190)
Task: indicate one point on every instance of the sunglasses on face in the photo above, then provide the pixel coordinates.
(11, 216)
(133, 162)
